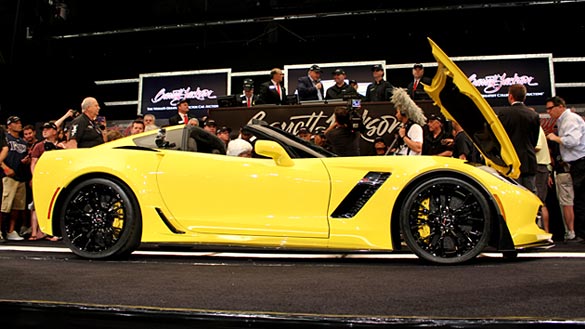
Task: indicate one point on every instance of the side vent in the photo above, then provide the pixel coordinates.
(360, 194)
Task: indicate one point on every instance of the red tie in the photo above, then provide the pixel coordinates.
(278, 90)
(415, 85)
(186, 119)
(249, 103)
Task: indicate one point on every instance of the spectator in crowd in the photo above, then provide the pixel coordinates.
(380, 146)
(304, 134)
(224, 134)
(463, 147)
(137, 127)
(182, 115)
(410, 134)
(415, 89)
(344, 140)
(3, 154)
(379, 90)
(321, 140)
(248, 98)
(150, 122)
(563, 188)
(49, 143)
(29, 134)
(309, 87)
(193, 122)
(436, 140)
(571, 140)
(113, 134)
(210, 126)
(522, 126)
(85, 132)
(273, 92)
(340, 87)
(543, 178)
(240, 148)
(15, 173)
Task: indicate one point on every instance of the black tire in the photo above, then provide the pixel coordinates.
(100, 219)
(446, 220)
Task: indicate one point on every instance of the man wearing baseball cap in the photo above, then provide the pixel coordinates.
(415, 88)
(15, 174)
(379, 90)
(309, 87)
(340, 87)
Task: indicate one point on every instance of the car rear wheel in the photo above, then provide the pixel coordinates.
(446, 220)
(101, 219)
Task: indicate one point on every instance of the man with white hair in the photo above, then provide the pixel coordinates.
(85, 131)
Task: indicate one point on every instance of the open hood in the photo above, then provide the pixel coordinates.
(459, 100)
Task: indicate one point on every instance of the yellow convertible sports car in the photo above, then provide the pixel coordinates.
(178, 186)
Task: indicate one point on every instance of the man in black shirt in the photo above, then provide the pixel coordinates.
(85, 131)
(340, 87)
(343, 139)
(380, 90)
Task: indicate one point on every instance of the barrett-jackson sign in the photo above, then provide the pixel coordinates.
(492, 75)
(161, 92)
(378, 117)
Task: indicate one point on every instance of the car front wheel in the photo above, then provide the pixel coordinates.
(446, 220)
(100, 219)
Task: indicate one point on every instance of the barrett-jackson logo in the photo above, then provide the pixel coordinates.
(493, 83)
(176, 95)
(375, 126)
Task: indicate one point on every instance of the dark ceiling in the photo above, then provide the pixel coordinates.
(61, 47)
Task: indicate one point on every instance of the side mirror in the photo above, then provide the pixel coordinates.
(273, 150)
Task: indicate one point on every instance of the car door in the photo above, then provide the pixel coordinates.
(219, 194)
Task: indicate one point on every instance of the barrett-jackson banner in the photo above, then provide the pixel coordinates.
(159, 93)
(492, 75)
(378, 117)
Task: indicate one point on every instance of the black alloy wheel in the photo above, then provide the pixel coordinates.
(101, 219)
(446, 220)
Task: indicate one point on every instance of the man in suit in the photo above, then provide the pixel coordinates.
(248, 98)
(273, 92)
(182, 115)
(522, 126)
(415, 89)
(309, 87)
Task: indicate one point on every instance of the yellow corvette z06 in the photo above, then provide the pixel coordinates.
(177, 186)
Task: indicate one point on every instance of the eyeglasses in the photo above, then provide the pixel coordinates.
(551, 107)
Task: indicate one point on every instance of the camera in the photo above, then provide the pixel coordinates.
(355, 117)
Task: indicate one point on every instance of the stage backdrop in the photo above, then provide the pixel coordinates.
(492, 75)
(159, 93)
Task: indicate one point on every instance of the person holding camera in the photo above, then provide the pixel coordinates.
(341, 135)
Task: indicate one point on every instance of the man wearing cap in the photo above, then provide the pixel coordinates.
(340, 87)
(273, 92)
(304, 134)
(15, 172)
(379, 90)
(248, 98)
(182, 115)
(436, 140)
(309, 87)
(210, 126)
(85, 131)
(49, 143)
(415, 88)
(224, 134)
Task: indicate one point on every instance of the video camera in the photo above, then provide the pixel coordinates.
(354, 105)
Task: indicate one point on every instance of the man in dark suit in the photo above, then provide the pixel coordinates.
(415, 88)
(379, 90)
(273, 92)
(182, 115)
(309, 87)
(248, 98)
(522, 126)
